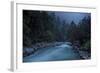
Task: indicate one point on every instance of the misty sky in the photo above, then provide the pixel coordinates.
(72, 16)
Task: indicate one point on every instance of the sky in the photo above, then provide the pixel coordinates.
(72, 16)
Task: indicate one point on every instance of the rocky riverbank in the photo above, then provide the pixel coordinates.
(84, 54)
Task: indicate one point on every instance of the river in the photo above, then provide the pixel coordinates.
(56, 53)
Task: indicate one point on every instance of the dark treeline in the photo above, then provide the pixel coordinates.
(43, 26)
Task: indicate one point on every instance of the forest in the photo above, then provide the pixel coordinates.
(46, 28)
